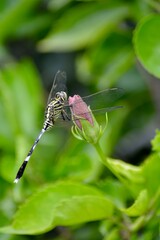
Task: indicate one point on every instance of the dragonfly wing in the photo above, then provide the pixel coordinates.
(104, 99)
(94, 111)
(59, 84)
(100, 102)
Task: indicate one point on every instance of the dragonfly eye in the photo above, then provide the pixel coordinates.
(62, 95)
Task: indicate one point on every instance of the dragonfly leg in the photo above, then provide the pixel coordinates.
(65, 115)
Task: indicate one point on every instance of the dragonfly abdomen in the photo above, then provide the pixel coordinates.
(54, 109)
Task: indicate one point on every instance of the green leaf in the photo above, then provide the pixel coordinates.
(78, 167)
(147, 43)
(140, 205)
(13, 15)
(33, 27)
(20, 87)
(54, 4)
(120, 63)
(113, 234)
(80, 209)
(64, 203)
(7, 167)
(128, 174)
(115, 191)
(156, 142)
(151, 172)
(77, 162)
(82, 26)
(113, 131)
(20, 94)
(107, 61)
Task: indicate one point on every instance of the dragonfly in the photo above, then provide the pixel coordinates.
(58, 109)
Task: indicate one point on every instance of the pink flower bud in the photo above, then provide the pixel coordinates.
(85, 125)
(79, 110)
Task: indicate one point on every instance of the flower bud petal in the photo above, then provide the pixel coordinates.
(79, 110)
(86, 126)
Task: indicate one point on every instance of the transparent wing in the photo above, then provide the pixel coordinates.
(94, 111)
(105, 99)
(68, 122)
(59, 84)
(100, 102)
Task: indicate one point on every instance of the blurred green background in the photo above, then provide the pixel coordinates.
(93, 42)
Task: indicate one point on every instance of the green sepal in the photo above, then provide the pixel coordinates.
(90, 133)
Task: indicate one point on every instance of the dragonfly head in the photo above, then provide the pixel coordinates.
(61, 95)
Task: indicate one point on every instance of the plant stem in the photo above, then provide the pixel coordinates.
(103, 159)
(101, 154)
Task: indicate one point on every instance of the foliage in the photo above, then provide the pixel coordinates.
(148, 53)
(74, 189)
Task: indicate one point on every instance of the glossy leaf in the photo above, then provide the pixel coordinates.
(156, 142)
(106, 62)
(140, 205)
(82, 26)
(20, 94)
(64, 203)
(128, 174)
(151, 170)
(13, 15)
(115, 191)
(147, 43)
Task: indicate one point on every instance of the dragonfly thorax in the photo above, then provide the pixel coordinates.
(54, 109)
